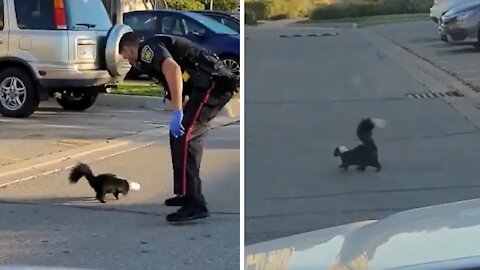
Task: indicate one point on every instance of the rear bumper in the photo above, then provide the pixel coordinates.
(65, 84)
(53, 76)
(62, 78)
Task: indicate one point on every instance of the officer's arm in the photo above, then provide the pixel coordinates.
(163, 63)
(173, 75)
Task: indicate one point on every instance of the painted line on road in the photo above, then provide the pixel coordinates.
(9, 158)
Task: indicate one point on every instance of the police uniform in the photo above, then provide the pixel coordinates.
(209, 86)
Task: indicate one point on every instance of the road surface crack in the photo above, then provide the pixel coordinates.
(365, 192)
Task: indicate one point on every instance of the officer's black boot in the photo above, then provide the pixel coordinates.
(194, 208)
(175, 201)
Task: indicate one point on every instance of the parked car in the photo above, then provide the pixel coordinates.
(440, 237)
(441, 6)
(460, 25)
(198, 28)
(226, 18)
(48, 48)
(30, 267)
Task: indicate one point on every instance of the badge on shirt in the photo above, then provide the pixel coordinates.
(147, 54)
(185, 76)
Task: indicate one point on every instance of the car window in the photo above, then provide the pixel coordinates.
(87, 14)
(193, 27)
(35, 14)
(1, 14)
(230, 23)
(142, 22)
(212, 24)
(173, 25)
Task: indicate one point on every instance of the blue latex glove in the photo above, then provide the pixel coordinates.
(176, 127)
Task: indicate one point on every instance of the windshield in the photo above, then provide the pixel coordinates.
(87, 14)
(213, 25)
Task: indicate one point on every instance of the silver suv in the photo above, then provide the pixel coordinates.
(67, 49)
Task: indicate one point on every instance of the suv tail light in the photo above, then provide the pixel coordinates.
(59, 11)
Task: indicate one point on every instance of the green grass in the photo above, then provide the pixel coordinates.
(138, 88)
(378, 19)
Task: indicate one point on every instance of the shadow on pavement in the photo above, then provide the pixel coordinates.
(424, 40)
(462, 50)
(59, 227)
(121, 238)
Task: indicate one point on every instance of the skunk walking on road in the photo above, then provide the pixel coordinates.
(103, 183)
(365, 154)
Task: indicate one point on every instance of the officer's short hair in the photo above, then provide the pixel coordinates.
(130, 39)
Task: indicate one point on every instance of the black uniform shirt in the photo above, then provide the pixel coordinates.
(154, 51)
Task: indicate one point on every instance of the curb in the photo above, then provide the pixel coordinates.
(232, 109)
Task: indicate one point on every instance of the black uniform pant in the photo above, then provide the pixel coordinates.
(203, 105)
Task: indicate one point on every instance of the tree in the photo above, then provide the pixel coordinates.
(227, 5)
(186, 4)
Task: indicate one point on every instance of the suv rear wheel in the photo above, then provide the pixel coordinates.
(18, 96)
(75, 101)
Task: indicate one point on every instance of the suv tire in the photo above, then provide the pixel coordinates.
(74, 101)
(16, 83)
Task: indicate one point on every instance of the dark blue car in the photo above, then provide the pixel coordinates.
(200, 29)
(226, 18)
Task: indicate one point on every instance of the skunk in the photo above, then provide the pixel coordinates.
(103, 183)
(365, 154)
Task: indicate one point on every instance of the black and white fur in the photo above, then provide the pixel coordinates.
(103, 183)
(365, 154)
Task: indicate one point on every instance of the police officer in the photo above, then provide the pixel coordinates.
(184, 69)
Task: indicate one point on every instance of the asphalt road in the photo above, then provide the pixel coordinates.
(46, 221)
(306, 95)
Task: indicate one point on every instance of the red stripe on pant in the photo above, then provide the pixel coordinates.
(187, 139)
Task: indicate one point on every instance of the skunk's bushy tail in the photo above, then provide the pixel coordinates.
(79, 171)
(364, 129)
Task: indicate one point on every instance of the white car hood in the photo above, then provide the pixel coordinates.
(413, 237)
(30, 267)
